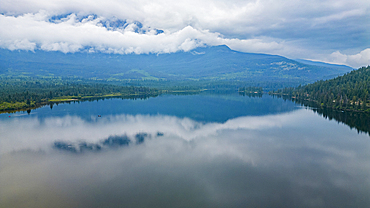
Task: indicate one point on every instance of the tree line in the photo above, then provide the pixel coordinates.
(28, 92)
(347, 92)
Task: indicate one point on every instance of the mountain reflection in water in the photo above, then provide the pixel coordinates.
(293, 159)
(111, 142)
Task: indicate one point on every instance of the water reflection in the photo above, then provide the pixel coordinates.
(203, 107)
(51, 104)
(111, 142)
(358, 120)
(294, 159)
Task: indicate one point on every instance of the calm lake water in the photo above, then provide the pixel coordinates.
(182, 151)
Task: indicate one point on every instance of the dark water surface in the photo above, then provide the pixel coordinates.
(182, 151)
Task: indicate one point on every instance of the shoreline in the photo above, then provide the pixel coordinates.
(81, 98)
(74, 99)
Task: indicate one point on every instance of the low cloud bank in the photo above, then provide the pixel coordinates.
(317, 30)
(355, 60)
(90, 33)
(75, 32)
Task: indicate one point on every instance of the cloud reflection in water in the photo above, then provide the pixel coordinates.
(295, 159)
(35, 133)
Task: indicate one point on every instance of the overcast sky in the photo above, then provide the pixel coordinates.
(336, 31)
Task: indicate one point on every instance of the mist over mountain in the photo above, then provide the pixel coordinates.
(203, 63)
(319, 63)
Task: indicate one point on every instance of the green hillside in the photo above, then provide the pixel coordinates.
(201, 65)
(347, 92)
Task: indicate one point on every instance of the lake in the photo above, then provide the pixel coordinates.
(205, 150)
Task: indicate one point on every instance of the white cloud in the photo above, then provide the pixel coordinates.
(20, 45)
(340, 16)
(356, 60)
(216, 15)
(296, 29)
(31, 31)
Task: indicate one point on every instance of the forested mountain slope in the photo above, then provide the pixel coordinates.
(204, 63)
(347, 92)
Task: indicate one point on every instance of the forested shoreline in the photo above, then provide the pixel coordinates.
(349, 92)
(28, 93)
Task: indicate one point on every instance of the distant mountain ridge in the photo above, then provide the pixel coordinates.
(203, 63)
(318, 63)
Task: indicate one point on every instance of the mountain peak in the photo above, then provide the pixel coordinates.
(219, 48)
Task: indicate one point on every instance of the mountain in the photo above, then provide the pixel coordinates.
(318, 63)
(204, 63)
